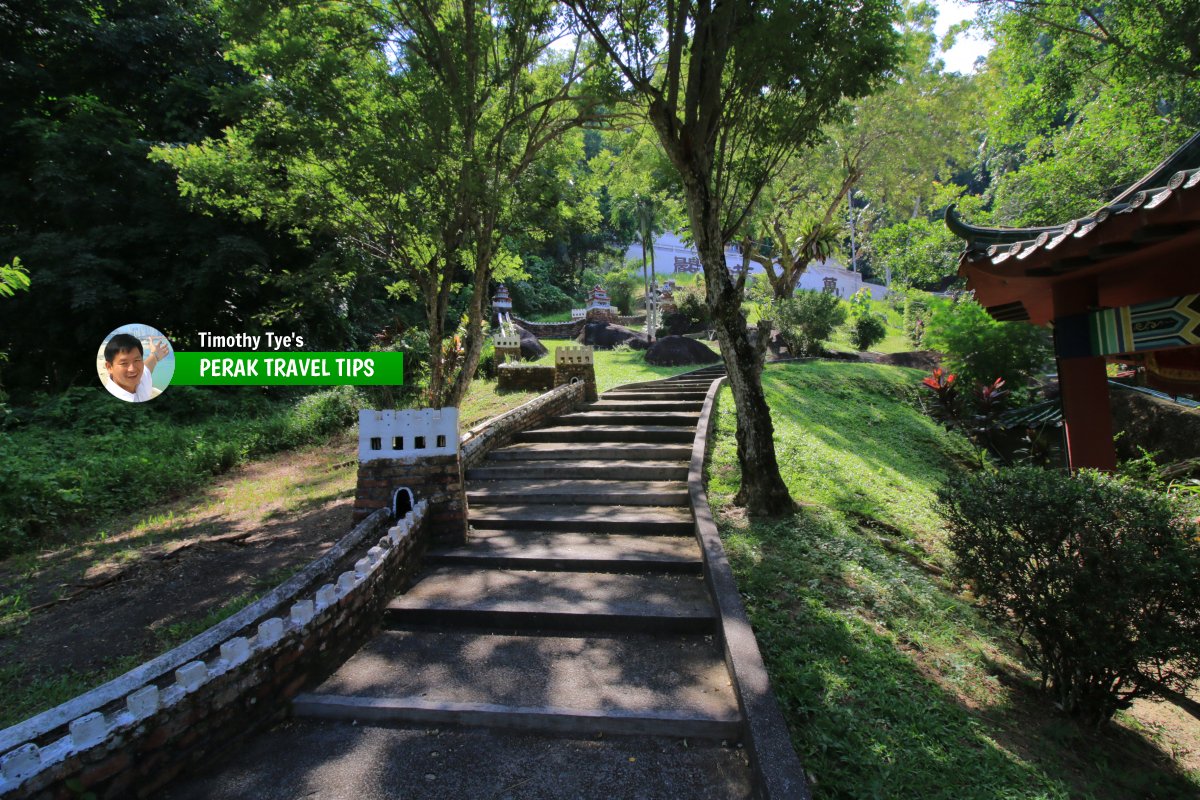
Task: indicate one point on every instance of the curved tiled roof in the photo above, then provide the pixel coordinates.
(1159, 208)
(1000, 244)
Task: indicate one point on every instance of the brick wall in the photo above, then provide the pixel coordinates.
(437, 479)
(133, 746)
(524, 378)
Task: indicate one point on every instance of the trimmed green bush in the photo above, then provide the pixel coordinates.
(1097, 575)
(867, 329)
(807, 320)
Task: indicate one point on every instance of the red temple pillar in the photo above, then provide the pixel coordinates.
(1083, 382)
(1086, 413)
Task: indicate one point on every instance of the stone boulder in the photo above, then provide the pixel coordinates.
(606, 336)
(673, 351)
(531, 348)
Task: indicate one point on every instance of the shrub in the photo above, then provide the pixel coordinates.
(807, 320)
(980, 349)
(690, 302)
(867, 329)
(1097, 574)
(537, 294)
(917, 306)
(620, 285)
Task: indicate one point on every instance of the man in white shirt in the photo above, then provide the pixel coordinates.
(129, 375)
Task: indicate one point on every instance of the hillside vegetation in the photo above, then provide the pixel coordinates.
(893, 685)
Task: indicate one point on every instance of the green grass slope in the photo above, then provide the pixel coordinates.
(894, 687)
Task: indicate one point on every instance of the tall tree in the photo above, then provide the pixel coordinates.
(890, 146)
(85, 87)
(403, 128)
(1084, 99)
(731, 88)
(643, 190)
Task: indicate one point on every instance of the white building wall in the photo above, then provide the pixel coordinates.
(668, 246)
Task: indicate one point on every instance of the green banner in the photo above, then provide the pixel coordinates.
(288, 369)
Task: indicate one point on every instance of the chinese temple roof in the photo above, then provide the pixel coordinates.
(1156, 221)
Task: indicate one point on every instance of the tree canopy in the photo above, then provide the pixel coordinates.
(732, 89)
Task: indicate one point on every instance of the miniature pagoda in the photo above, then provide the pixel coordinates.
(598, 307)
(501, 304)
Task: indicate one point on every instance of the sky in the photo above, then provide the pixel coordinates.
(961, 58)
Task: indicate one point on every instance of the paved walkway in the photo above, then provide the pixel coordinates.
(567, 650)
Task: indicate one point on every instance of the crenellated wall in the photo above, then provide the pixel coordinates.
(576, 365)
(130, 736)
(524, 378)
(418, 449)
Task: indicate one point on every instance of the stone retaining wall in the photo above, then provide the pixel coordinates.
(135, 733)
(499, 431)
(524, 378)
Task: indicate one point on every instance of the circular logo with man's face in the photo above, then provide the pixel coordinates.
(135, 363)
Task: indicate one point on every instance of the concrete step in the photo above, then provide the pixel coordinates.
(580, 492)
(629, 417)
(539, 719)
(572, 552)
(514, 600)
(579, 434)
(655, 394)
(612, 469)
(630, 451)
(641, 520)
(667, 685)
(645, 405)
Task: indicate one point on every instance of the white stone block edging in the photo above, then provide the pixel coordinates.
(479, 440)
(85, 723)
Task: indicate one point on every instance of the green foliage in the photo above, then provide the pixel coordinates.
(1096, 575)
(80, 455)
(916, 252)
(13, 278)
(807, 320)
(867, 329)
(537, 294)
(106, 239)
(1085, 100)
(979, 349)
(621, 284)
(690, 302)
(917, 305)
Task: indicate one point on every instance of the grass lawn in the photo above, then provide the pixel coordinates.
(892, 685)
(617, 367)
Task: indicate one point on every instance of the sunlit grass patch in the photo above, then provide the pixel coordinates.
(892, 684)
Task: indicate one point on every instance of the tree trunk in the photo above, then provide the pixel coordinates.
(763, 491)
(473, 346)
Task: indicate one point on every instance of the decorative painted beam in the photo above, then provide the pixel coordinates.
(1171, 322)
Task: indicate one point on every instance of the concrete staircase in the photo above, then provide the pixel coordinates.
(578, 604)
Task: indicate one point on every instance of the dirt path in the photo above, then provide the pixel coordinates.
(72, 618)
